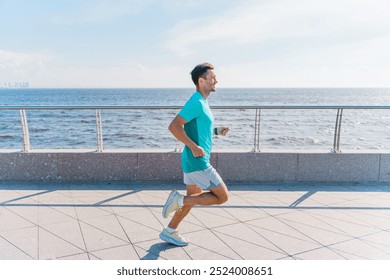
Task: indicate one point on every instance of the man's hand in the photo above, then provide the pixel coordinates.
(198, 151)
(222, 130)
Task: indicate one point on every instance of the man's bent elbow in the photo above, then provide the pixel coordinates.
(170, 127)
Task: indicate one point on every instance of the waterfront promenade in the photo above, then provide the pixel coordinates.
(88, 220)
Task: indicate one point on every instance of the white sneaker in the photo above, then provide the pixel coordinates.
(174, 238)
(172, 204)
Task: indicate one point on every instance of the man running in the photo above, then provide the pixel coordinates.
(194, 127)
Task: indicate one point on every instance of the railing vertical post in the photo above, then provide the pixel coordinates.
(337, 131)
(99, 131)
(177, 148)
(256, 145)
(25, 132)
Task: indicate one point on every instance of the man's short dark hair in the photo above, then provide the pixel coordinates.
(199, 71)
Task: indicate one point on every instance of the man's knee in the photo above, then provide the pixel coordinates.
(223, 197)
(222, 193)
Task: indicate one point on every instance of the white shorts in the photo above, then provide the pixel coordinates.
(206, 179)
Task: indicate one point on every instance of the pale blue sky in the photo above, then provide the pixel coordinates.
(155, 43)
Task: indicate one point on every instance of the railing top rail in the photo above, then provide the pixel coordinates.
(227, 107)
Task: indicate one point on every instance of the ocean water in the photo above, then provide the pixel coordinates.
(280, 129)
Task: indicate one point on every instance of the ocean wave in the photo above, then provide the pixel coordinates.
(39, 130)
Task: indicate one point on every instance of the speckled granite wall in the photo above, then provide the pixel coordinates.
(165, 166)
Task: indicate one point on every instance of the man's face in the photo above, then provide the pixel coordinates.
(208, 81)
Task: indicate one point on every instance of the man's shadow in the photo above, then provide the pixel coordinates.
(153, 253)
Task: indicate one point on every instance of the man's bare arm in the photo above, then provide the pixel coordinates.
(176, 128)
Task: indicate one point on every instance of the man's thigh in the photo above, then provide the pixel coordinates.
(221, 191)
(193, 189)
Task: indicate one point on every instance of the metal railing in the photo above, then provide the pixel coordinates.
(257, 118)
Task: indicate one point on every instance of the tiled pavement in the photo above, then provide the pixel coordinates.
(122, 220)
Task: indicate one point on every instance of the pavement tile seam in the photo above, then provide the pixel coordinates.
(254, 244)
(102, 230)
(376, 246)
(70, 243)
(253, 207)
(197, 219)
(149, 209)
(93, 237)
(150, 196)
(349, 255)
(141, 224)
(82, 234)
(53, 221)
(211, 251)
(268, 240)
(254, 247)
(16, 247)
(82, 211)
(216, 235)
(42, 228)
(127, 236)
(340, 220)
(253, 219)
(80, 221)
(343, 252)
(22, 217)
(199, 224)
(287, 220)
(71, 257)
(283, 221)
(231, 217)
(287, 235)
(93, 256)
(316, 250)
(101, 222)
(61, 211)
(213, 227)
(137, 233)
(310, 237)
(360, 222)
(384, 231)
(290, 203)
(108, 248)
(369, 216)
(43, 252)
(353, 231)
(256, 206)
(288, 258)
(28, 244)
(224, 208)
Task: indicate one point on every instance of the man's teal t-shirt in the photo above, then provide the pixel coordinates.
(199, 128)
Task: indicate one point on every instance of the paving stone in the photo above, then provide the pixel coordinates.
(122, 220)
(125, 252)
(9, 252)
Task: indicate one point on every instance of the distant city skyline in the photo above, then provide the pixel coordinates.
(156, 43)
(14, 84)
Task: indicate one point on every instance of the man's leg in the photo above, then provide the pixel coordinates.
(192, 190)
(194, 196)
(216, 195)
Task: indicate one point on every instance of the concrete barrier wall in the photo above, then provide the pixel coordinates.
(165, 166)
